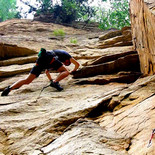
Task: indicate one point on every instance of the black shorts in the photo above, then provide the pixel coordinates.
(36, 70)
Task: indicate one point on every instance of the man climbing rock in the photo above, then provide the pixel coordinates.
(47, 60)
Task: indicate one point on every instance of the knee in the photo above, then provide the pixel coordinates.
(67, 73)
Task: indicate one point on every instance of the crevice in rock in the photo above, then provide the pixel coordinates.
(121, 77)
(62, 125)
(128, 148)
(96, 112)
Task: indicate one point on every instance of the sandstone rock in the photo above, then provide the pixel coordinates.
(126, 63)
(25, 33)
(110, 57)
(135, 120)
(126, 28)
(134, 94)
(91, 139)
(110, 34)
(143, 33)
(121, 115)
(9, 51)
(107, 52)
(12, 70)
(19, 60)
(30, 124)
(122, 77)
(116, 41)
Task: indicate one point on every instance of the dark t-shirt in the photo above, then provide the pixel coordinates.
(62, 55)
(45, 60)
(52, 59)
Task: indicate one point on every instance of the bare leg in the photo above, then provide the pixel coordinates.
(63, 73)
(21, 82)
(48, 74)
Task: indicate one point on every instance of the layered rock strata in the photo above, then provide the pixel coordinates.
(143, 33)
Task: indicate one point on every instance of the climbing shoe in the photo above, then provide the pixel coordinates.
(56, 85)
(6, 91)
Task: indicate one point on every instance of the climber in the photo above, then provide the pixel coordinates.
(47, 60)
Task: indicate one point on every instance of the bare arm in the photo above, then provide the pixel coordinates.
(48, 74)
(76, 64)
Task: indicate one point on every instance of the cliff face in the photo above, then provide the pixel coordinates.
(143, 28)
(105, 108)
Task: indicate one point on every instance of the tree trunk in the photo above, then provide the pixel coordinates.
(143, 33)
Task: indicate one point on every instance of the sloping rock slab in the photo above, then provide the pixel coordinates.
(110, 57)
(85, 53)
(87, 137)
(136, 122)
(9, 51)
(30, 122)
(19, 61)
(12, 70)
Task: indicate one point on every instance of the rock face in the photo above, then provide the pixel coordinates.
(97, 113)
(143, 29)
(116, 38)
(9, 51)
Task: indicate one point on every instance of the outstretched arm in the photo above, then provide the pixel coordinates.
(76, 64)
(48, 74)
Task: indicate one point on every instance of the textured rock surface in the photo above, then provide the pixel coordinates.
(9, 51)
(115, 38)
(143, 29)
(107, 114)
(87, 133)
(136, 119)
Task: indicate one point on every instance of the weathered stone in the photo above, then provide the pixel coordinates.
(9, 51)
(135, 121)
(122, 77)
(19, 60)
(126, 63)
(29, 121)
(91, 139)
(126, 28)
(107, 52)
(110, 34)
(116, 41)
(110, 57)
(12, 70)
(143, 33)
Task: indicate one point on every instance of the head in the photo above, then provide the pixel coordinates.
(67, 62)
(42, 52)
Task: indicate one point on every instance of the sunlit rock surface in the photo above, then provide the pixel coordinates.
(143, 30)
(103, 114)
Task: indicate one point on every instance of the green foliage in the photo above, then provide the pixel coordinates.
(72, 10)
(117, 16)
(59, 32)
(8, 9)
(46, 6)
(73, 40)
(66, 12)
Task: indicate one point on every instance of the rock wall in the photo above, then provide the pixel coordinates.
(143, 29)
(10, 51)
